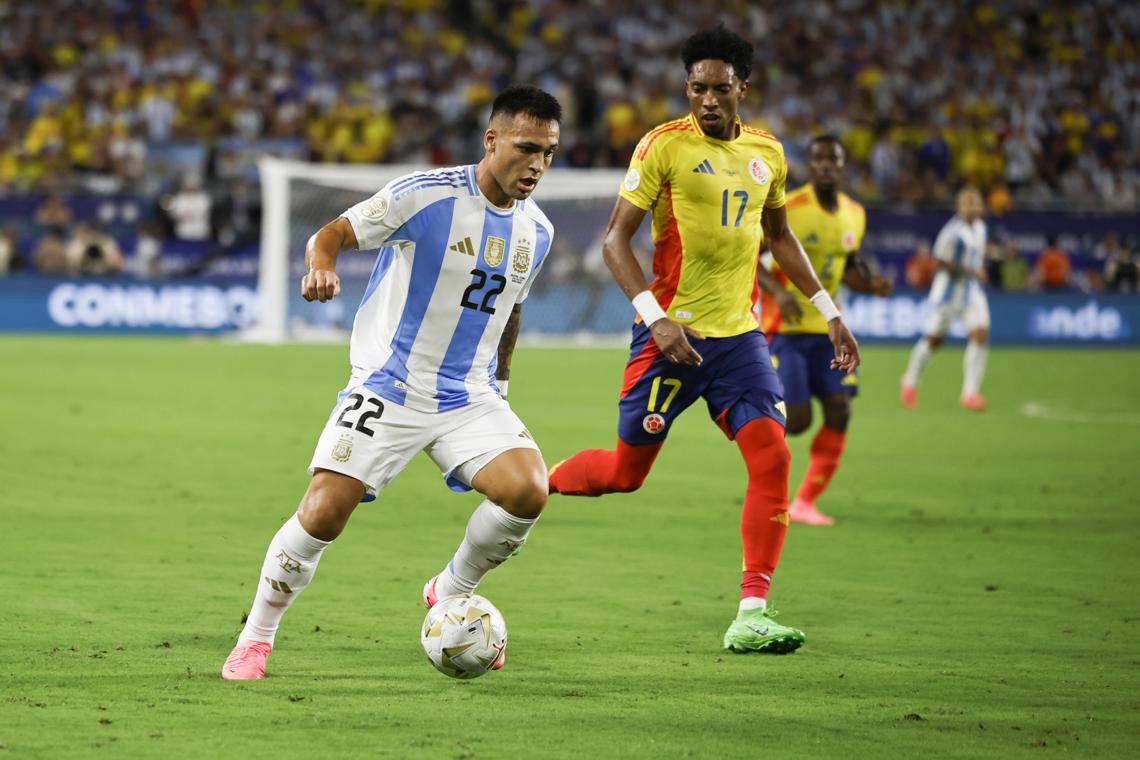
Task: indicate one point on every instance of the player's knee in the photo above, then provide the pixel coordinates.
(980, 335)
(934, 340)
(777, 462)
(765, 450)
(328, 503)
(524, 495)
(799, 419)
(837, 413)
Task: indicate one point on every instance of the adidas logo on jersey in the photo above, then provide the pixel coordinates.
(704, 168)
(463, 246)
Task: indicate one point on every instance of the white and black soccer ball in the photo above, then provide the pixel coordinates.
(463, 635)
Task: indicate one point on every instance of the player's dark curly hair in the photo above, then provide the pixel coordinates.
(719, 44)
(826, 138)
(528, 99)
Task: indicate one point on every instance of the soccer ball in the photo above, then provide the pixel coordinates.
(463, 635)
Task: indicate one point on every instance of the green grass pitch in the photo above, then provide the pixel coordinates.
(977, 598)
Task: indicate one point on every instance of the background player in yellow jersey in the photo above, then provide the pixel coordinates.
(715, 187)
(830, 225)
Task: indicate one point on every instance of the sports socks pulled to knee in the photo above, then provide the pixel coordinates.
(493, 535)
(288, 568)
(764, 519)
(826, 449)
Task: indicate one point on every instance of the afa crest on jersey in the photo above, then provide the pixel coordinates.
(494, 250)
(521, 261)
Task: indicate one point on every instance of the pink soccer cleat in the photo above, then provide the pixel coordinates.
(973, 401)
(908, 395)
(430, 597)
(805, 513)
(247, 661)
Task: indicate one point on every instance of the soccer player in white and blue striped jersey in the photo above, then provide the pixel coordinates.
(430, 352)
(957, 293)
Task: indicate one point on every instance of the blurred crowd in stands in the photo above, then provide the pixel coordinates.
(1035, 101)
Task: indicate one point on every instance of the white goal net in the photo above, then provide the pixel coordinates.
(574, 297)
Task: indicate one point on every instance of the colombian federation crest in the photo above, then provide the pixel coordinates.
(653, 423)
(494, 250)
(521, 260)
(848, 241)
(342, 451)
(759, 171)
(632, 180)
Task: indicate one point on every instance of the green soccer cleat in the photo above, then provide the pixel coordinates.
(756, 631)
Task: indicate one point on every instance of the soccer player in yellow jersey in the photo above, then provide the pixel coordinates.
(715, 188)
(830, 225)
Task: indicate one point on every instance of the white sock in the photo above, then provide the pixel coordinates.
(493, 534)
(918, 359)
(974, 367)
(289, 566)
(752, 603)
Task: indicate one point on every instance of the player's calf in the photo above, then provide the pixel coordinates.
(595, 472)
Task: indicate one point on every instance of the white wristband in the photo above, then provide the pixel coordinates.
(646, 304)
(502, 387)
(822, 301)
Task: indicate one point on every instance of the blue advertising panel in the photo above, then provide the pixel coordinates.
(30, 303)
(1022, 318)
(45, 304)
(1016, 318)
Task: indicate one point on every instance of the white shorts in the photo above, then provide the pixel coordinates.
(372, 439)
(975, 313)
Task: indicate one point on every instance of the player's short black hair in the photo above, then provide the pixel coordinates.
(719, 44)
(826, 138)
(528, 99)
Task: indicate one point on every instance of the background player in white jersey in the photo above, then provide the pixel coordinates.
(430, 353)
(957, 293)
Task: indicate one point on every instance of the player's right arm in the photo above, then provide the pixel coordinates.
(373, 222)
(669, 336)
(321, 282)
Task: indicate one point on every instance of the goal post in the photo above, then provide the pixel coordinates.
(574, 297)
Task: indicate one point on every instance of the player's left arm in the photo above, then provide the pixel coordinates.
(507, 348)
(786, 302)
(794, 262)
(858, 276)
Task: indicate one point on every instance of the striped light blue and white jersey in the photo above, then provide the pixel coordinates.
(450, 270)
(963, 244)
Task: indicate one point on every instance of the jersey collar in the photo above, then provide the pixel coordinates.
(697, 126)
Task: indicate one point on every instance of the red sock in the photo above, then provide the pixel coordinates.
(826, 448)
(594, 472)
(764, 520)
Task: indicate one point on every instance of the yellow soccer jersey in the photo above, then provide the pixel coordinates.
(707, 196)
(828, 239)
